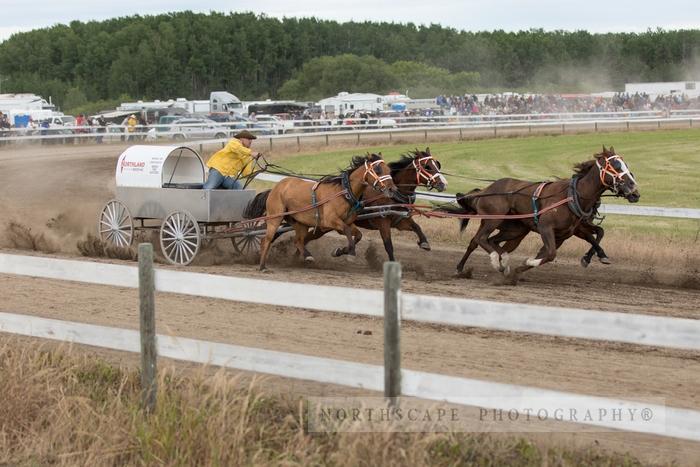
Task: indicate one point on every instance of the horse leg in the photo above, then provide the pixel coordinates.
(349, 250)
(272, 226)
(512, 234)
(482, 238)
(460, 266)
(410, 224)
(587, 233)
(385, 232)
(300, 232)
(312, 235)
(546, 254)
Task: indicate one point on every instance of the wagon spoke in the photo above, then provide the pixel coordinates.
(189, 250)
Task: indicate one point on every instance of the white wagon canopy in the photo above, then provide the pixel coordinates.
(160, 167)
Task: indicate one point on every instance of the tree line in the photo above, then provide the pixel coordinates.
(254, 56)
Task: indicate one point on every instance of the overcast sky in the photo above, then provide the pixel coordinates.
(471, 15)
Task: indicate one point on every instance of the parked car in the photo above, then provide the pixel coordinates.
(274, 123)
(189, 128)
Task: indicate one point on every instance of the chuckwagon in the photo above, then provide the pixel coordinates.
(160, 187)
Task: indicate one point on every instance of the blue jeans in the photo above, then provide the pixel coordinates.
(217, 180)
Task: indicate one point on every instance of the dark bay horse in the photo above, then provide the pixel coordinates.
(512, 232)
(413, 169)
(330, 204)
(557, 221)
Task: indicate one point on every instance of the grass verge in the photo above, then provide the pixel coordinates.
(62, 407)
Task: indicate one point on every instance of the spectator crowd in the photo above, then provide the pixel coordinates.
(512, 103)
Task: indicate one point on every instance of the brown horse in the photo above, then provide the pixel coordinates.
(556, 223)
(330, 204)
(512, 232)
(413, 169)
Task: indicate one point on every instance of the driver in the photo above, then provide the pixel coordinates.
(234, 161)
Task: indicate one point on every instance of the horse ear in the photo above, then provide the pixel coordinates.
(604, 150)
(612, 150)
(427, 150)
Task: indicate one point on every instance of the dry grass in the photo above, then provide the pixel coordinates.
(92, 246)
(64, 408)
(21, 237)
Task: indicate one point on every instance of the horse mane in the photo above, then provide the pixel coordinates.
(402, 163)
(355, 163)
(582, 168)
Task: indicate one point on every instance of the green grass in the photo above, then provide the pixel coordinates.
(666, 164)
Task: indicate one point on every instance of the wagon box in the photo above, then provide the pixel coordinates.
(164, 184)
(154, 180)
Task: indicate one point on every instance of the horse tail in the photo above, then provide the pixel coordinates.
(258, 206)
(466, 206)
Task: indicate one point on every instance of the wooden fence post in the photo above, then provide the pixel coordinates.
(149, 353)
(392, 339)
(270, 140)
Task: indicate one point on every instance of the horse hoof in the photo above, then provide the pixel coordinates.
(266, 271)
(424, 246)
(309, 259)
(350, 258)
(605, 260)
(337, 252)
(585, 262)
(511, 279)
(506, 271)
(465, 274)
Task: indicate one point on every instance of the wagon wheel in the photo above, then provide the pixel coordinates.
(115, 224)
(248, 243)
(180, 238)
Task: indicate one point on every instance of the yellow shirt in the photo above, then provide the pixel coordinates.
(233, 159)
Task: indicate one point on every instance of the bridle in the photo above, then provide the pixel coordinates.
(609, 169)
(377, 179)
(423, 176)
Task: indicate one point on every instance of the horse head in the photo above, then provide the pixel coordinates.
(418, 168)
(616, 175)
(377, 174)
(428, 170)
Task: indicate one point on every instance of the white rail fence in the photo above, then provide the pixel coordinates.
(586, 324)
(300, 129)
(621, 209)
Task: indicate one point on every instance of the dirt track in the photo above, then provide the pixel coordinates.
(38, 184)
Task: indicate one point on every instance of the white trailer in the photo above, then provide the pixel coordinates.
(345, 103)
(689, 88)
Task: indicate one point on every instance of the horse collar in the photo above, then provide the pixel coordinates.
(574, 203)
(355, 203)
(535, 197)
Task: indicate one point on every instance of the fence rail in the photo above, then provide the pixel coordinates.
(313, 128)
(630, 328)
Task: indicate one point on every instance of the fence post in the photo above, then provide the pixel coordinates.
(426, 135)
(148, 327)
(392, 340)
(327, 140)
(270, 139)
(298, 144)
(460, 134)
(494, 130)
(596, 127)
(358, 138)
